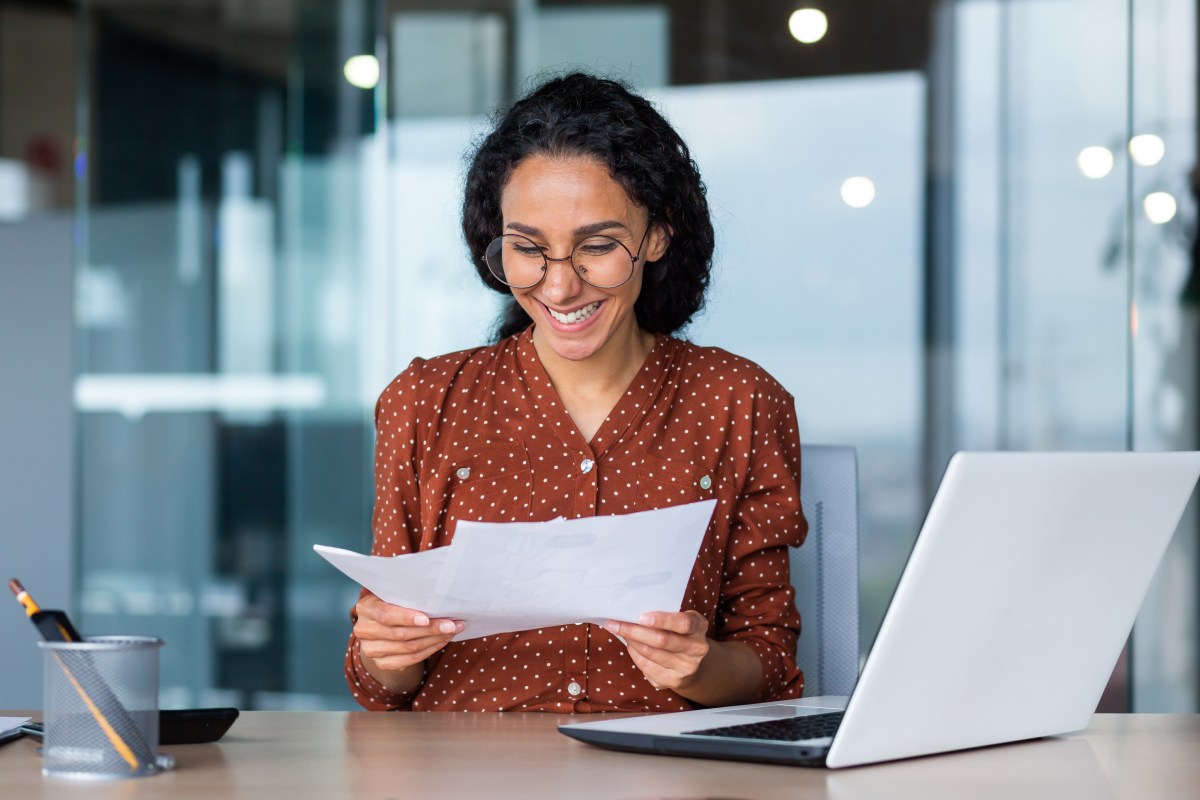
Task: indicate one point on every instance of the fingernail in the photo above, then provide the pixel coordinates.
(646, 619)
(420, 619)
(460, 626)
(611, 626)
(446, 626)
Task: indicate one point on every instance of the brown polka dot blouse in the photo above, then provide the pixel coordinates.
(482, 435)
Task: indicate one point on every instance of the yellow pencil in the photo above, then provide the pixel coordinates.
(54, 626)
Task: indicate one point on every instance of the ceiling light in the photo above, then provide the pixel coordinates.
(808, 25)
(362, 71)
(858, 192)
(1147, 149)
(1160, 207)
(1095, 162)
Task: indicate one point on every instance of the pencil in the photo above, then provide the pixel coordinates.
(60, 629)
(54, 625)
(23, 597)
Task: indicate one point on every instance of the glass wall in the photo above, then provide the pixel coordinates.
(914, 237)
(1164, 257)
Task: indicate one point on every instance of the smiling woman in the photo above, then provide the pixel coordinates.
(583, 302)
(645, 163)
(584, 205)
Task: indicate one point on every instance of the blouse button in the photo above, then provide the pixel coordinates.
(463, 473)
(574, 689)
(706, 482)
(586, 465)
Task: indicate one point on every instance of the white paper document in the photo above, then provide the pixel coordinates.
(499, 577)
(9, 724)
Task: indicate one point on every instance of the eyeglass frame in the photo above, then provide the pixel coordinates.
(570, 258)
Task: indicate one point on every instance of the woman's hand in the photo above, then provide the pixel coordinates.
(393, 639)
(674, 652)
(667, 647)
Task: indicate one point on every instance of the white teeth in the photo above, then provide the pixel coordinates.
(575, 316)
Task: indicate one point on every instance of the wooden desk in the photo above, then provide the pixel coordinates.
(364, 755)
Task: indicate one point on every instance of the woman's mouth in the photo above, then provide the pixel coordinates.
(575, 317)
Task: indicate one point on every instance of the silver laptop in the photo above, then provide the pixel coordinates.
(1007, 621)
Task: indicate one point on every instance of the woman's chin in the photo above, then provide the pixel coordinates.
(570, 349)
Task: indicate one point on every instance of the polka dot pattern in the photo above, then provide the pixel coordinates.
(481, 434)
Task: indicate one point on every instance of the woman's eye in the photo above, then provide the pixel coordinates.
(527, 250)
(597, 247)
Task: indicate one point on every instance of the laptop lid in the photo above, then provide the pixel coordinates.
(1016, 601)
(1010, 614)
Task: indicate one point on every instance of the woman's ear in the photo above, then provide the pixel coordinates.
(660, 240)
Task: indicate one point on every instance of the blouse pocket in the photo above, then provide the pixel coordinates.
(663, 483)
(492, 484)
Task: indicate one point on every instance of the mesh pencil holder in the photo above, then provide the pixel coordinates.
(100, 702)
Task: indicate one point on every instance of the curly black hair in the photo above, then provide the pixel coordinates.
(584, 115)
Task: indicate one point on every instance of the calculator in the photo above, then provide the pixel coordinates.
(175, 726)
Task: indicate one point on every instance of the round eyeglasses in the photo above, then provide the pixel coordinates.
(604, 262)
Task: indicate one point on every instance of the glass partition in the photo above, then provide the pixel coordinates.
(224, 428)
(1164, 257)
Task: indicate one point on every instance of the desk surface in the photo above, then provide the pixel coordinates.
(378, 755)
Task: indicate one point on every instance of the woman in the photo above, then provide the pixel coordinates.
(584, 205)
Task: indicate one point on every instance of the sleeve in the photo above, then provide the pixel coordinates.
(395, 520)
(757, 604)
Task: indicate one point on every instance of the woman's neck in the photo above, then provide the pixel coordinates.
(590, 388)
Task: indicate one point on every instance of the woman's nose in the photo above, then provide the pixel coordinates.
(561, 281)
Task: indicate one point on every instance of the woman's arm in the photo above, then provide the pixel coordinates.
(377, 678)
(748, 654)
(757, 605)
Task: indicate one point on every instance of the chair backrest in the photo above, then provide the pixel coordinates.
(825, 570)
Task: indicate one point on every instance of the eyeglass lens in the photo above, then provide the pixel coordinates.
(600, 260)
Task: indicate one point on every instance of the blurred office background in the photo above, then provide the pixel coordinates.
(226, 224)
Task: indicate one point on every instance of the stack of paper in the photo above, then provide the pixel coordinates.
(8, 727)
(499, 577)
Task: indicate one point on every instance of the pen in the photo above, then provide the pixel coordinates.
(56, 627)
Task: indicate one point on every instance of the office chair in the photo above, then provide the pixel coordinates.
(825, 570)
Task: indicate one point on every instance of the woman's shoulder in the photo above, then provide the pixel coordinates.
(720, 368)
(435, 375)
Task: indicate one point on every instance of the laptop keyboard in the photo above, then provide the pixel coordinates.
(790, 729)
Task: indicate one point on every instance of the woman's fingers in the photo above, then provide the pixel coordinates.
(674, 672)
(371, 607)
(369, 629)
(667, 647)
(401, 661)
(398, 618)
(683, 663)
(395, 637)
(678, 631)
(686, 623)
